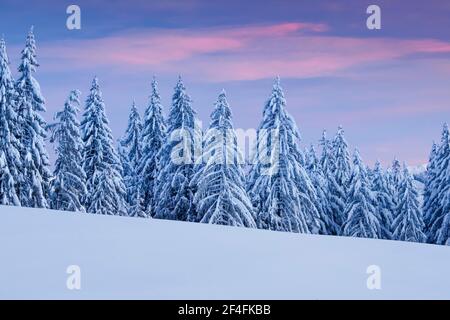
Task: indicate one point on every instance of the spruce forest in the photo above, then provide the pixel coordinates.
(168, 168)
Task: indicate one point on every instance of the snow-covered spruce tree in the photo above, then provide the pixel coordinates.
(439, 218)
(326, 158)
(221, 197)
(10, 160)
(122, 152)
(395, 177)
(68, 186)
(342, 171)
(384, 204)
(316, 173)
(131, 155)
(279, 187)
(333, 200)
(173, 193)
(408, 224)
(105, 188)
(363, 219)
(153, 137)
(430, 188)
(35, 185)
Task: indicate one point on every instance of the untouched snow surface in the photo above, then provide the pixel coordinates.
(154, 259)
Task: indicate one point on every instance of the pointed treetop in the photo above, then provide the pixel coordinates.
(356, 156)
(74, 94)
(28, 61)
(312, 155)
(154, 96)
(3, 54)
(154, 83)
(96, 86)
(405, 170)
(278, 81)
(277, 86)
(134, 115)
(221, 115)
(30, 37)
(95, 82)
(445, 134)
(134, 109)
(324, 143)
(396, 166)
(378, 165)
(180, 85)
(433, 151)
(275, 105)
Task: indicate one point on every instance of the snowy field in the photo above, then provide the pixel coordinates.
(154, 259)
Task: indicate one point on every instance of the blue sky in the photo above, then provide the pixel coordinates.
(389, 88)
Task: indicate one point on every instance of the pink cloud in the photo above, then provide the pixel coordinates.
(157, 46)
(276, 30)
(240, 53)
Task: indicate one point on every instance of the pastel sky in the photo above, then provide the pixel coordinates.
(389, 88)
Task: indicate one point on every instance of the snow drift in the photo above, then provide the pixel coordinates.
(133, 258)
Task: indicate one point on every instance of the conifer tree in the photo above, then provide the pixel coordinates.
(339, 186)
(430, 188)
(439, 214)
(153, 137)
(10, 160)
(363, 220)
(408, 224)
(395, 177)
(130, 152)
(384, 204)
(221, 197)
(317, 175)
(280, 189)
(68, 187)
(334, 202)
(35, 184)
(173, 192)
(105, 188)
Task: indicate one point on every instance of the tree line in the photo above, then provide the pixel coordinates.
(284, 188)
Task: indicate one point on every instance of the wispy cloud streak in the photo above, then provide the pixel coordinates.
(242, 53)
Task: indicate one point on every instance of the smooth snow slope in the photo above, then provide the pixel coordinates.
(136, 258)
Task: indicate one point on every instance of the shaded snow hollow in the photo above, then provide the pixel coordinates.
(154, 259)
